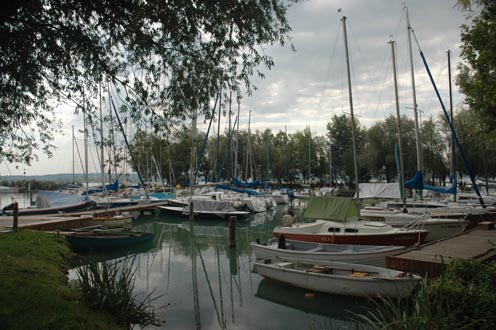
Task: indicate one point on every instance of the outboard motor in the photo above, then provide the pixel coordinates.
(281, 242)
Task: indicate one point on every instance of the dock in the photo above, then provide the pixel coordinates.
(71, 220)
(429, 259)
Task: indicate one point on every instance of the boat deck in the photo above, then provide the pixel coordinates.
(428, 260)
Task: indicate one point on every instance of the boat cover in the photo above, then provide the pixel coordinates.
(331, 208)
(379, 190)
(49, 199)
(212, 206)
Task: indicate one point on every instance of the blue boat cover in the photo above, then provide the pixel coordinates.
(417, 182)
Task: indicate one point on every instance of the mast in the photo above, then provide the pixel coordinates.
(73, 164)
(398, 117)
(102, 158)
(237, 143)
(217, 154)
(229, 144)
(350, 93)
(330, 162)
(453, 160)
(192, 168)
(418, 138)
(309, 155)
(85, 149)
(248, 150)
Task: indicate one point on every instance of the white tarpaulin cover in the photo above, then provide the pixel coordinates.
(379, 190)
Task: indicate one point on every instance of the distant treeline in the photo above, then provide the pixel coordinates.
(25, 185)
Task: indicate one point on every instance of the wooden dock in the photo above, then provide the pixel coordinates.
(71, 220)
(428, 260)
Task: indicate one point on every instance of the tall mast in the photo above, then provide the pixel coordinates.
(102, 159)
(453, 160)
(353, 133)
(248, 151)
(418, 138)
(237, 143)
(85, 149)
(192, 166)
(398, 117)
(309, 155)
(73, 164)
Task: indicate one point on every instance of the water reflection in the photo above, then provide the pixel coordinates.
(206, 284)
(340, 307)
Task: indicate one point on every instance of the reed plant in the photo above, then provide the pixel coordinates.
(109, 286)
(462, 298)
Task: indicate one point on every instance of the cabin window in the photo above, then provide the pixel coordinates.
(350, 230)
(334, 230)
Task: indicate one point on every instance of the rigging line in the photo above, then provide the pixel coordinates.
(328, 79)
(379, 105)
(356, 95)
(129, 149)
(81, 160)
(448, 120)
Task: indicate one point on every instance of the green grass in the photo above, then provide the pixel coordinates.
(34, 293)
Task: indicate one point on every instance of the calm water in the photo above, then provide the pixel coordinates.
(205, 284)
(23, 199)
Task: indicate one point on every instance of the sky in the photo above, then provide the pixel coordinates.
(306, 88)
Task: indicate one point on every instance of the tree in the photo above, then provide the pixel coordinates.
(165, 59)
(434, 148)
(339, 130)
(477, 78)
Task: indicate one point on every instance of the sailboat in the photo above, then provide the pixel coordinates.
(437, 210)
(338, 219)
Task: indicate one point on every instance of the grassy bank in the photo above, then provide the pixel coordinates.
(34, 293)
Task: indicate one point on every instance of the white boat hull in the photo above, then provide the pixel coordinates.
(339, 278)
(357, 254)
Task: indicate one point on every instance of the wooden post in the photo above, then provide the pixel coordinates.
(15, 209)
(232, 230)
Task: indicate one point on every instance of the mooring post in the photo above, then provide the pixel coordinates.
(15, 210)
(232, 230)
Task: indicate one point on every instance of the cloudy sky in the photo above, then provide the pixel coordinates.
(308, 87)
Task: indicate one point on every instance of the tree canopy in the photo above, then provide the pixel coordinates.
(477, 78)
(167, 57)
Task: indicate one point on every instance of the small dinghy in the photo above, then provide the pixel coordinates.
(339, 278)
(371, 255)
(104, 239)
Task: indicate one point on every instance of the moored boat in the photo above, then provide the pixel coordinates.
(438, 228)
(54, 202)
(123, 220)
(102, 240)
(339, 278)
(337, 223)
(359, 254)
(206, 209)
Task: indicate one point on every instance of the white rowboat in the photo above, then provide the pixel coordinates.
(371, 255)
(339, 278)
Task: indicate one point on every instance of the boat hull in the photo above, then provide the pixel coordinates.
(358, 254)
(397, 239)
(340, 278)
(180, 211)
(105, 241)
